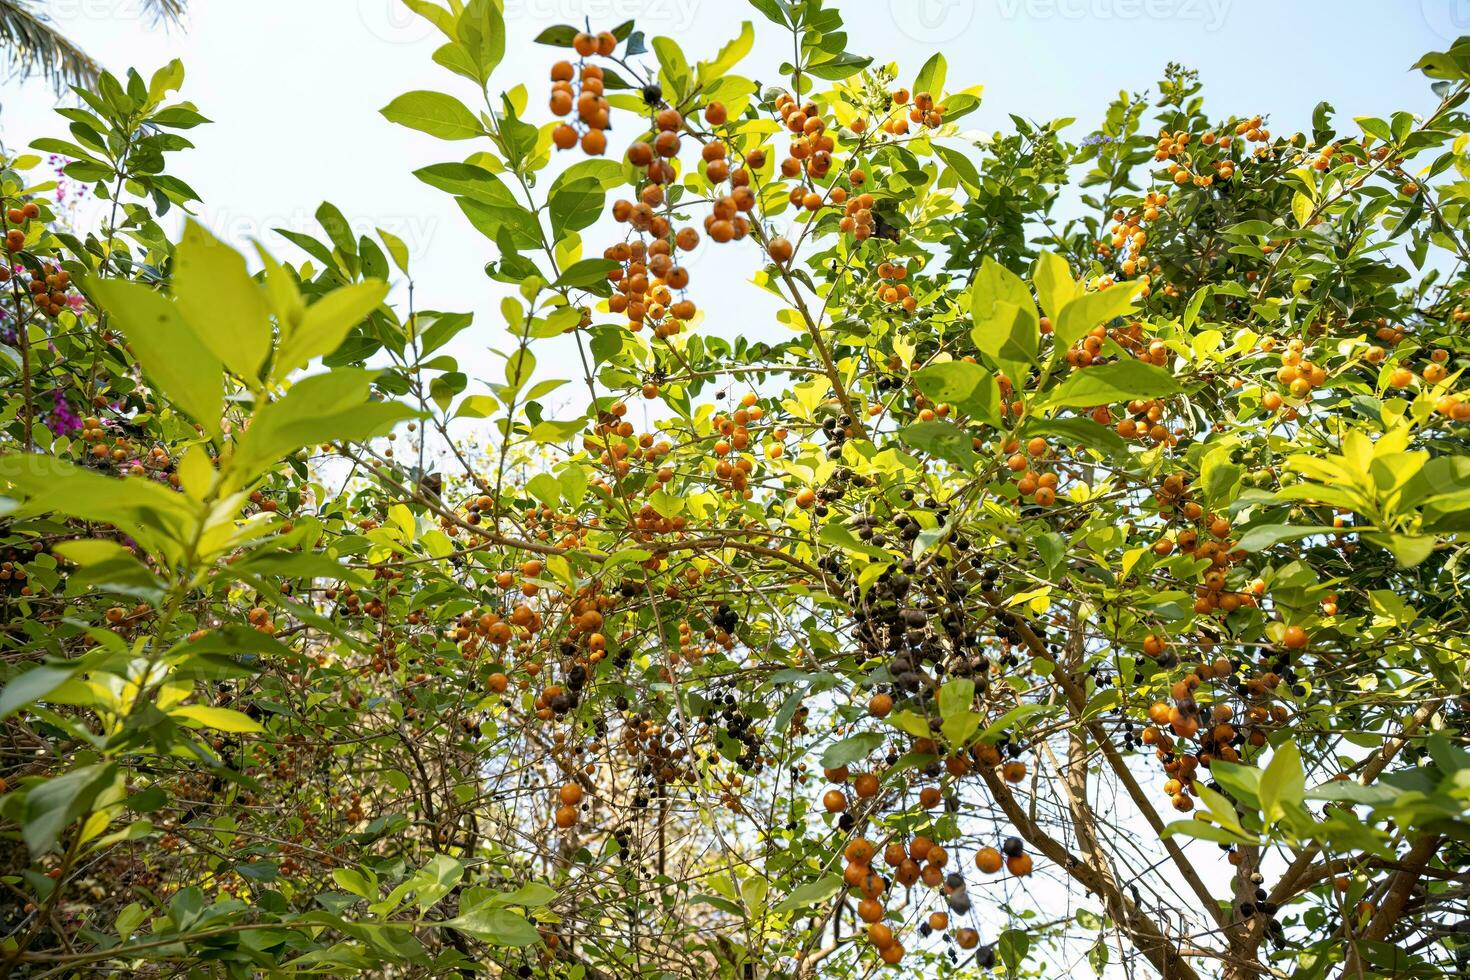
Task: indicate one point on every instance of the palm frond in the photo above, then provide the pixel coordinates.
(31, 45)
(169, 11)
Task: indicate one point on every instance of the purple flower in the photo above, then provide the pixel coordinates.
(62, 421)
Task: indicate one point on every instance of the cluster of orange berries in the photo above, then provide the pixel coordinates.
(857, 219)
(15, 238)
(811, 147)
(734, 436)
(1128, 234)
(925, 410)
(260, 618)
(529, 570)
(14, 571)
(1453, 407)
(612, 442)
(1173, 147)
(568, 797)
(585, 97)
(48, 290)
(691, 649)
(920, 860)
(1299, 375)
(892, 289)
(1213, 728)
(1208, 540)
(924, 112)
(1323, 159)
(1144, 419)
(647, 277)
(1042, 487)
(119, 450)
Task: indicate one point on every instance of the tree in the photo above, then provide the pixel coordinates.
(36, 47)
(1075, 581)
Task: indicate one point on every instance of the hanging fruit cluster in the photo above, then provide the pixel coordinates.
(579, 88)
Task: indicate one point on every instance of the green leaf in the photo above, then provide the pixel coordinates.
(129, 919)
(498, 927)
(51, 805)
(323, 408)
(354, 881)
(845, 64)
(1196, 302)
(220, 719)
(1408, 549)
(545, 488)
(1055, 285)
(1002, 726)
(436, 879)
(532, 893)
(851, 749)
(811, 893)
(31, 686)
(729, 56)
(434, 113)
(945, 440)
(1084, 312)
(583, 275)
(173, 356)
(673, 68)
(1006, 324)
(1241, 781)
(963, 168)
(931, 77)
(486, 201)
(958, 728)
(776, 11)
(158, 518)
(1081, 430)
(481, 29)
(1110, 384)
(1012, 947)
(1301, 208)
(396, 248)
(220, 301)
(434, 14)
(956, 696)
(325, 324)
(1284, 783)
(1264, 536)
(1204, 831)
(519, 367)
(912, 723)
(969, 387)
(576, 196)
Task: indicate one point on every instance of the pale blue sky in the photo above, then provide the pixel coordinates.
(294, 89)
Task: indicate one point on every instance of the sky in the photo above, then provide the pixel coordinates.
(294, 89)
